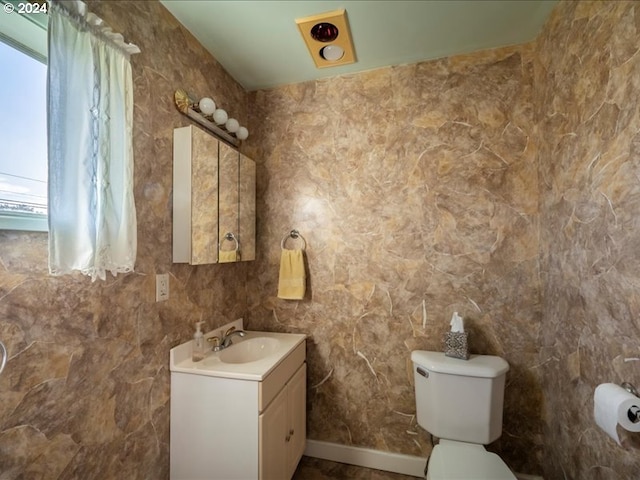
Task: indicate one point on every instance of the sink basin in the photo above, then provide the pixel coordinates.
(250, 350)
(251, 357)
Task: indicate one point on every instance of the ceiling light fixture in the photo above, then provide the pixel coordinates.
(332, 53)
(328, 38)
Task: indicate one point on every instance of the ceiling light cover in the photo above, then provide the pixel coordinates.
(324, 32)
(333, 53)
(328, 38)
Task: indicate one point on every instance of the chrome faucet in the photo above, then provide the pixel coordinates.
(228, 336)
(217, 344)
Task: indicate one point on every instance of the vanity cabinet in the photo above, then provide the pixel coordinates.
(213, 200)
(236, 427)
(282, 429)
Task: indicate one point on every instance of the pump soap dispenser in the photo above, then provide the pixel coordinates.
(198, 350)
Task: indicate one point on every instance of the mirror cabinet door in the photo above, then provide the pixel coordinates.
(204, 198)
(195, 196)
(247, 208)
(228, 202)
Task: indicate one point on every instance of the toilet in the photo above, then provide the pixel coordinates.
(460, 402)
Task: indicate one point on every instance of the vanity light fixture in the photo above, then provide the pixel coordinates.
(216, 120)
(328, 38)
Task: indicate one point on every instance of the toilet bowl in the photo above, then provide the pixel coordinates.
(460, 402)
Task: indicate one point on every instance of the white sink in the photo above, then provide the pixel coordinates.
(250, 350)
(251, 357)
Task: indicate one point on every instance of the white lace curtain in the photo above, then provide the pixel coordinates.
(92, 217)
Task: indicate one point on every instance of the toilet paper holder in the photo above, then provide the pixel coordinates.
(634, 412)
(630, 388)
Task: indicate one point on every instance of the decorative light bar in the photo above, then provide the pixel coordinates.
(216, 120)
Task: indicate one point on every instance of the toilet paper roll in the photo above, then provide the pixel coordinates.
(612, 405)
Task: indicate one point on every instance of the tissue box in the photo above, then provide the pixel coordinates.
(455, 345)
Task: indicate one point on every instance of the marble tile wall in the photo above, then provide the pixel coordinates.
(86, 390)
(587, 110)
(415, 188)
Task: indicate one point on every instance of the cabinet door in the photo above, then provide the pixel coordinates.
(204, 201)
(237, 205)
(297, 406)
(195, 196)
(229, 196)
(273, 430)
(247, 208)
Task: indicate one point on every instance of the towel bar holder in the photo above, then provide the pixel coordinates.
(293, 234)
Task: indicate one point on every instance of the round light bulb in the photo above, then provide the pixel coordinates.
(324, 32)
(220, 116)
(232, 125)
(207, 106)
(332, 53)
(242, 133)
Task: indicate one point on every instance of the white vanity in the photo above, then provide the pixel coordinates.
(240, 413)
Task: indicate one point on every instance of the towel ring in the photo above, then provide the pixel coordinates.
(293, 234)
(230, 236)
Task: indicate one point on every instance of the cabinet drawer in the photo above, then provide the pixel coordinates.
(274, 382)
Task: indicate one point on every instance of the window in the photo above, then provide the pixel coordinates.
(23, 121)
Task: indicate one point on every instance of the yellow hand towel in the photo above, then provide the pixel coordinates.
(226, 256)
(292, 282)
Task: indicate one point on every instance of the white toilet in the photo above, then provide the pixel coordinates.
(460, 402)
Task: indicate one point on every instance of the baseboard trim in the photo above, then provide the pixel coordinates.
(367, 457)
(376, 459)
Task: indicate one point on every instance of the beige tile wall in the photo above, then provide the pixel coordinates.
(412, 185)
(587, 112)
(86, 391)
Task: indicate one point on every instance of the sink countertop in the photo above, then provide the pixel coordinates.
(213, 366)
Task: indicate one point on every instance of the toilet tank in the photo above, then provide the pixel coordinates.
(460, 399)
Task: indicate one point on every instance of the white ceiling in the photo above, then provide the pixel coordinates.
(259, 44)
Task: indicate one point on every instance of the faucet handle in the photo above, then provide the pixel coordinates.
(226, 334)
(214, 342)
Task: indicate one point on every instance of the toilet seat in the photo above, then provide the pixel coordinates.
(466, 461)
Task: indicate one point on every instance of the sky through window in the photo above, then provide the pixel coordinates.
(23, 132)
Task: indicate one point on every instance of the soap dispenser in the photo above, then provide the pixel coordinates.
(198, 350)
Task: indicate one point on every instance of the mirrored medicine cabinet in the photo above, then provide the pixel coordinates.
(214, 198)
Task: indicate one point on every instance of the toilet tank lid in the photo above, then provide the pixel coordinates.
(486, 366)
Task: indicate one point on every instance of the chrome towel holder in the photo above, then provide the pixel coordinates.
(231, 237)
(293, 234)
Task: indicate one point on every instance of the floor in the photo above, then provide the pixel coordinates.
(316, 469)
